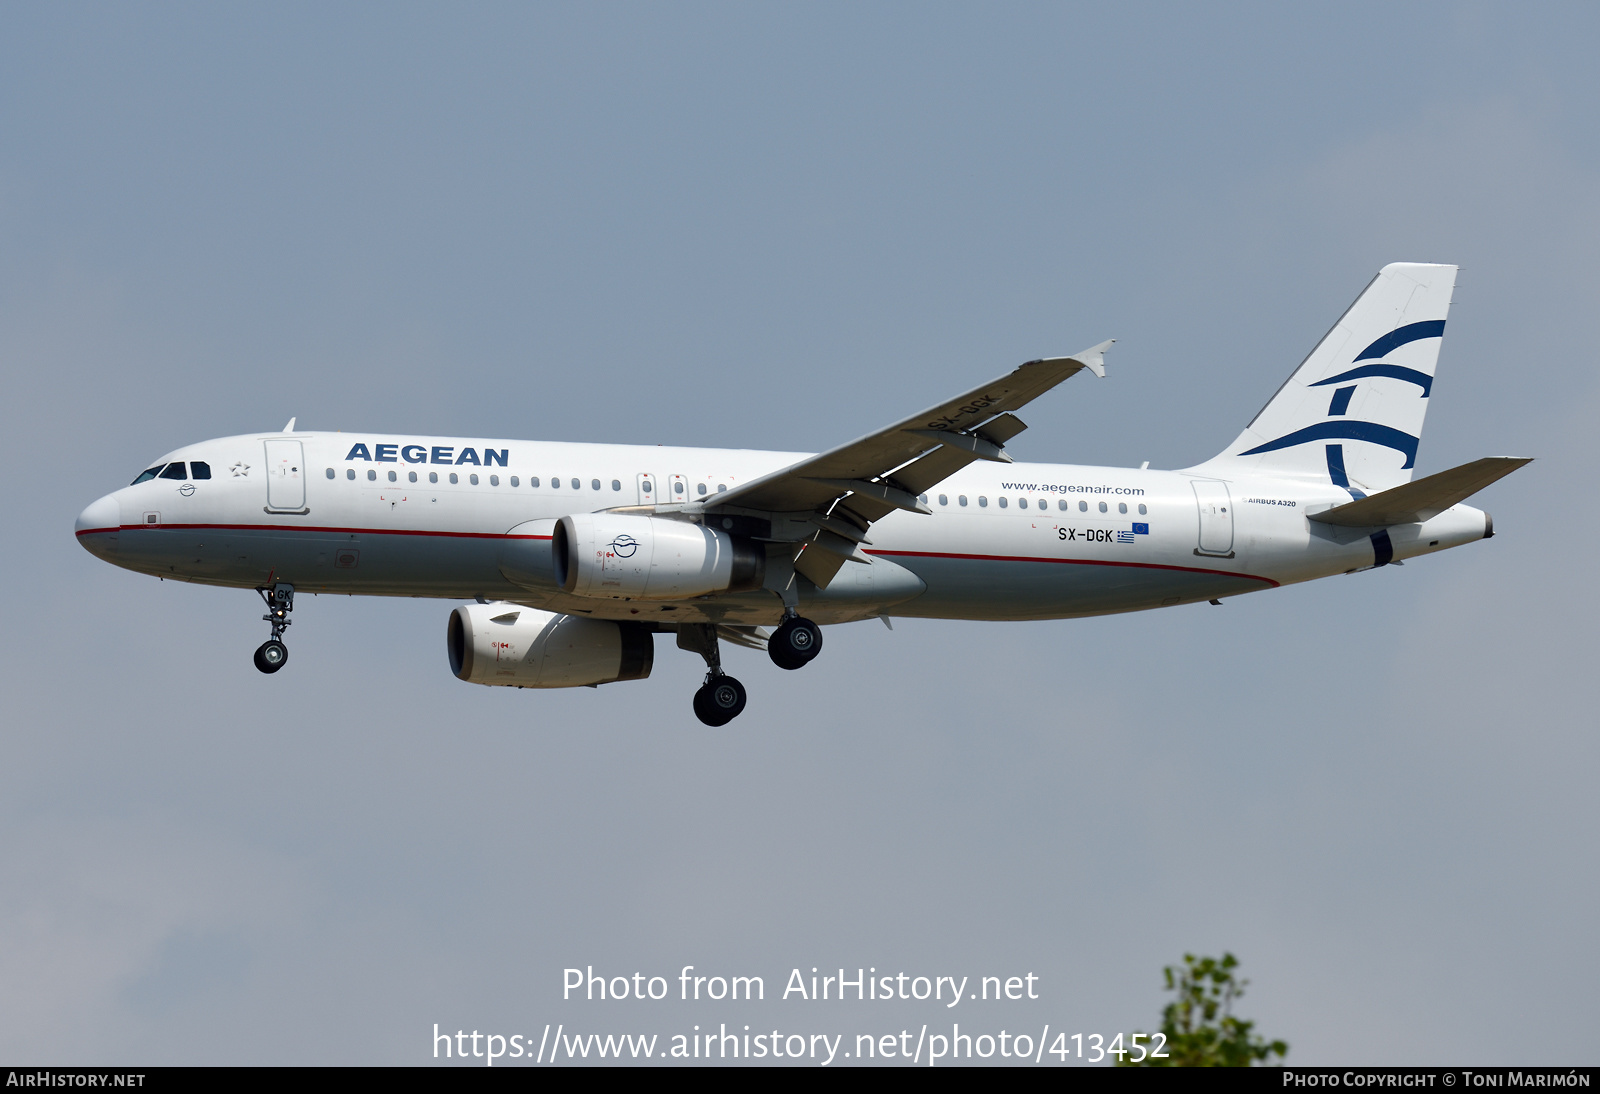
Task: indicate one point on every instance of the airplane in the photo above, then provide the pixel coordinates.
(572, 557)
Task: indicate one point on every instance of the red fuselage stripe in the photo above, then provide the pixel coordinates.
(303, 528)
(1073, 562)
(507, 535)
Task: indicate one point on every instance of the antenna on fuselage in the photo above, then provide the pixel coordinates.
(290, 427)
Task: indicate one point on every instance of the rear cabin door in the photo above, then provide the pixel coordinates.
(286, 476)
(1216, 518)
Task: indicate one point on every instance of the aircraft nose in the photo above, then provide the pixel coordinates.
(98, 522)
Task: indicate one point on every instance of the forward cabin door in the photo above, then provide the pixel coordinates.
(286, 477)
(1216, 518)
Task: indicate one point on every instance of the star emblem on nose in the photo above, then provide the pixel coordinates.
(240, 470)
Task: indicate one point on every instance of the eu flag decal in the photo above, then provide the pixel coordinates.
(1141, 529)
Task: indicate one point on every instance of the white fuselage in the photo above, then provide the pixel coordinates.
(465, 518)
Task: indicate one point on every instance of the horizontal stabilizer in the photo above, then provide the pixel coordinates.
(1423, 499)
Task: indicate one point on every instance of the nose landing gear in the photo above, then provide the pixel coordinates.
(272, 654)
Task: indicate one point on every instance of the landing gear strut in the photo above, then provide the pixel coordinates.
(795, 643)
(273, 654)
(721, 698)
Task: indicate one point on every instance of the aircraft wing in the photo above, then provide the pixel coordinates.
(842, 491)
(1423, 499)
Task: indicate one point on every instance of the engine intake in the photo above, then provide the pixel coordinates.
(621, 557)
(528, 648)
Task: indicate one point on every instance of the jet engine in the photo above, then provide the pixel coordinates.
(624, 557)
(529, 648)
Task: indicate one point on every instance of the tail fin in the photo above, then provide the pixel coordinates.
(1352, 412)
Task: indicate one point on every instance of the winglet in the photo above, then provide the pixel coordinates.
(1093, 358)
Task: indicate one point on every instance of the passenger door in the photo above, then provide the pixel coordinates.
(286, 478)
(1216, 518)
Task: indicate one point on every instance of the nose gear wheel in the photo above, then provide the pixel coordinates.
(271, 656)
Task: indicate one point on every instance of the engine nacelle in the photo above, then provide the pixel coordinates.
(528, 648)
(621, 557)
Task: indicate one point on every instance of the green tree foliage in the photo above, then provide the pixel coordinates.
(1200, 1028)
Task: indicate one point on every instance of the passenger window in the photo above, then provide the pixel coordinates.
(391, 476)
(944, 499)
(555, 483)
(1062, 505)
(514, 481)
(330, 472)
(174, 471)
(473, 479)
(1141, 509)
(350, 473)
(1122, 507)
(962, 499)
(412, 475)
(146, 476)
(923, 498)
(700, 488)
(454, 478)
(199, 470)
(616, 484)
(1002, 502)
(677, 487)
(721, 488)
(645, 486)
(372, 476)
(494, 480)
(983, 502)
(1022, 503)
(533, 483)
(1083, 507)
(433, 476)
(1102, 507)
(594, 484)
(575, 485)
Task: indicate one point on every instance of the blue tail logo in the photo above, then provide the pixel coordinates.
(1371, 432)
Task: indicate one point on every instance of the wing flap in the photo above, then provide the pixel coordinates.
(921, 475)
(818, 564)
(1423, 499)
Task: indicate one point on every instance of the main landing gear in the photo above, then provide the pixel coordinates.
(721, 698)
(273, 654)
(795, 643)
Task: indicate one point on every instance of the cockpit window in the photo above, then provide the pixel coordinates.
(146, 476)
(199, 470)
(174, 471)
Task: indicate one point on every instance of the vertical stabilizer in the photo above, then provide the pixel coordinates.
(1352, 412)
